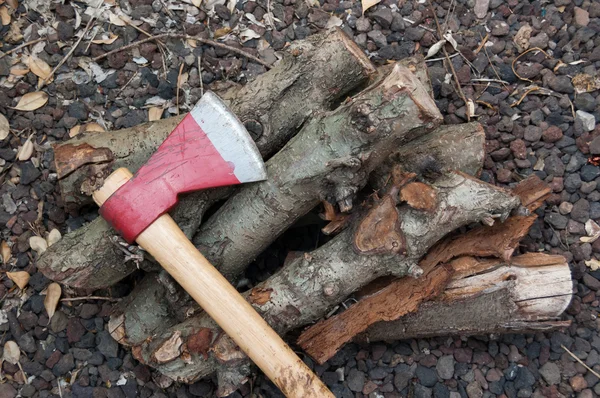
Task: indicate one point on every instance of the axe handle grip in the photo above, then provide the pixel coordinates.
(179, 257)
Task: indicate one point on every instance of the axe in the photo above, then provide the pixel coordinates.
(209, 148)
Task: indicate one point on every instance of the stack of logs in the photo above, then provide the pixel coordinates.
(423, 246)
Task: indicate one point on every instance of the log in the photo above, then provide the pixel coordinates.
(278, 102)
(330, 159)
(526, 295)
(403, 296)
(157, 304)
(309, 285)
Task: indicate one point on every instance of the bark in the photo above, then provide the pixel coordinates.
(526, 295)
(156, 313)
(308, 286)
(399, 297)
(330, 159)
(273, 107)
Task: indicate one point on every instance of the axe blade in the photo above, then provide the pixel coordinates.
(209, 148)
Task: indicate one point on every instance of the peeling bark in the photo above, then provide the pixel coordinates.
(330, 159)
(308, 286)
(276, 104)
(526, 295)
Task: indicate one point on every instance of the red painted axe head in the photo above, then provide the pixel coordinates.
(209, 148)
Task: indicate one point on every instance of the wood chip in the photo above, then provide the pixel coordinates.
(155, 113)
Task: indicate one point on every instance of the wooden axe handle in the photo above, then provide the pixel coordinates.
(170, 247)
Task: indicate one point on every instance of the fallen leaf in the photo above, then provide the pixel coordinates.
(248, 34)
(116, 20)
(38, 244)
(154, 113)
(32, 101)
(593, 264)
(4, 16)
(26, 150)
(333, 21)
(4, 127)
(39, 67)
(13, 3)
(593, 231)
(51, 301)
(106, 39)
(366, 4)
(86, 128)
(12, 353)
(19, 70)
(222, 31)
(435, 48)
(197, 3)
(53, 237)
(20, 278)
(448, 36)
(5, 249)
(522, 37)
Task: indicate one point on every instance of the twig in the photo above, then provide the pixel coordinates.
(482, 44)
(187, 37)
(127, 84)
(524, 95)
(90, 298)
(420, 26)
(71, 51)
(200, 75)
(490, 80)
(492, 64)
(442, 58)
(519, 56)
(19, 47)
(580, 361)
(178, 87)
(440, 36)
(447, 17)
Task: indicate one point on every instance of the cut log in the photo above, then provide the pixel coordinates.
(330, 159)
(308, 286)
(146, 308)
(278, 102)
(400, 297)
(527, 295)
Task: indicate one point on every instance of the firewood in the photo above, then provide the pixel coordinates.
(274, 106)
(403, 296)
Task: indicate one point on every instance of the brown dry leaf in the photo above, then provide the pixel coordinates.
(110, 39)
(40, 68)
(52, 297)
(154, 113)
(4, 127)
(366, 4)
(32, 101)
(26, 150)
(4, 16)
(5, 249)
(86, 128)
(222, 31)
(19, 70)
(12, 352)
(13, 3)
(20, 278)
(116, 20)
(38, 244)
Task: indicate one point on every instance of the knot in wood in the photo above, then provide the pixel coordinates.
(255, 128)
(379, 231)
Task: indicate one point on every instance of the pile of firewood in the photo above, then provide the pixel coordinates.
(423, 246)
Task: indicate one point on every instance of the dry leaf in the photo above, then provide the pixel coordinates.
(86, 128)
(32, 101)
(435, 48)
(248, 34)
(4, 16)
(12, 353)
(39, 67)
(14, 4)
(366, 4)
(448, 36)
(522, 37)
(51, 301)
(5, 249)
(106, 39)
(333, 21)
(26, 150)
(593, 231)
(53, 237)
(38, 244)
(222, 31)
(19, 70)
(116, 20)
(593, 264)
(20, 278)
(4, 127)
(197, 3)
(154, 113)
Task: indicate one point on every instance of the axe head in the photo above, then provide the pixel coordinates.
(209, 148)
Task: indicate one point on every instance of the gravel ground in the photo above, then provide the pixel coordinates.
(551, 133)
